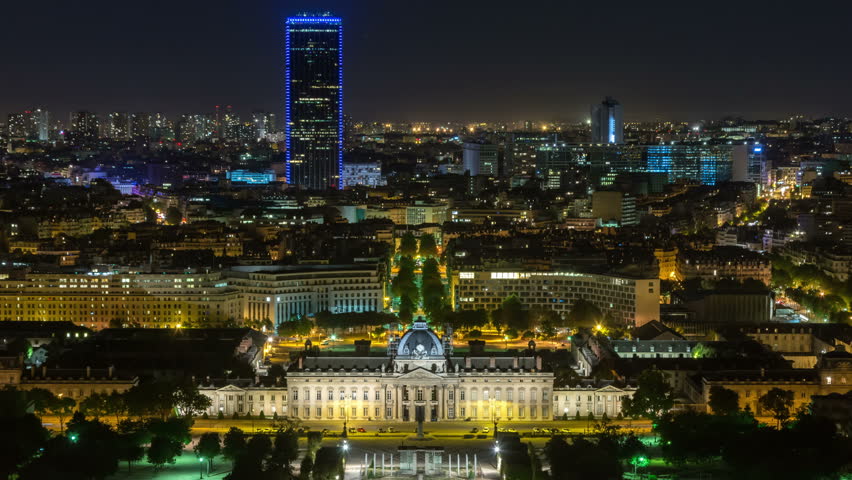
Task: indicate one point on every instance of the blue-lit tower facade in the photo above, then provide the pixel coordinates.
(608, 122)
(314, 101)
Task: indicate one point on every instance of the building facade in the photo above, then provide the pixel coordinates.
(631, 301)
(94, 299)
(420, 378)
(608, 122)
(314, 101)
(278, 293)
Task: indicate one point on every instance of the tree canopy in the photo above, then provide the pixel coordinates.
(652, 398)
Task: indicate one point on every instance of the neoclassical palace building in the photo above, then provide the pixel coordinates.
(418, 377)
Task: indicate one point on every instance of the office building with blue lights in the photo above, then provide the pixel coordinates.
(603, 163)
(314, 101)
(608, 122)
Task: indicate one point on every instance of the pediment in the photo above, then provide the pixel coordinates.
(608, 388)
(231, 388)
(420, 373)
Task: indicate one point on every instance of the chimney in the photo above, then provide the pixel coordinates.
(32, 371)
(492, 362)
(538, 363)
(44, 371)
(111, 371)
(88, 372)
(256, 380)
(515, 363)
(300, 361)
(467, 362)
(762, 372)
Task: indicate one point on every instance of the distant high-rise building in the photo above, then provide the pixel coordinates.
(161, 127)
(41, 124)
(16, 125)
(85, 126)
(520, 158)
(264, 124)
(118, 126)
(140, 125)
(314, 101)
(481, 159)
(607, 122)
(193, 128)
(554, 164)
(29, 124)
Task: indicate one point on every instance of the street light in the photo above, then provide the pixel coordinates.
(200, 467)
(493, 415)
(345, 415)
(639, 461)
(73, 438)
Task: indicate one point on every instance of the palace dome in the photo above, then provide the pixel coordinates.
(419, 342)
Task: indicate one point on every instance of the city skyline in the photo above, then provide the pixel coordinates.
(409, 71)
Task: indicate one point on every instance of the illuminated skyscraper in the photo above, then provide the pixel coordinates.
(85, 126)
(607, 122)
(118, 126)
(29, 124)
(314, 101)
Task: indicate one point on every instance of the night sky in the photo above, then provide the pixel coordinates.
(437, 60)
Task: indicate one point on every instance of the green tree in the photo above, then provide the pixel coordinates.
(151, 398)
(116, 405)
(408, 245)
(95, 405)
(432, 288)
(724, 401)
(405, 288)
(295, 327)
(208, 447)
(778, 403)
(23, 433)
(582, 459)
(173, 216)
(94, 448)
(328, 464)
(428, 247)
(61, 407)
(306, 467)
(285, 451)
(584, 314)
(162, 451)
(510, 314)
(41, 398)
(188, 400)
(652, 398)
(132, 436)
(234, 443)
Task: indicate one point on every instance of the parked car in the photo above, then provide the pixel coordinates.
(361, 430)
(474, 430)
(486, 429)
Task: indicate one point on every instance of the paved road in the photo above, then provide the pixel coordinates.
(404, 429)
